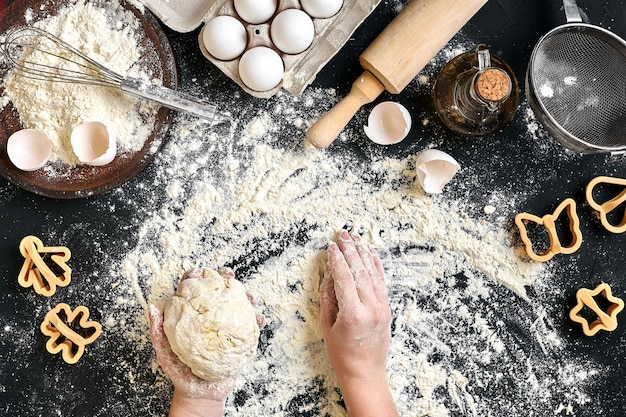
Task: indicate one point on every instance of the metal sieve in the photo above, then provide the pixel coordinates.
(576, 85)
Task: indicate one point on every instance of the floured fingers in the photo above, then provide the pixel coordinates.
(358, 258)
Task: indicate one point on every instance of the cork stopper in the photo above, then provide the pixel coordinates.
(493, 84)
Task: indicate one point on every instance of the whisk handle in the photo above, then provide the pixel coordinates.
(167, 97)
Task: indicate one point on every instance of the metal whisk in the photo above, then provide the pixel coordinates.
(37, 54)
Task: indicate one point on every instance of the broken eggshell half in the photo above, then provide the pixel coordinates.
(388, 123)
(435, 169)
(29, 149)
(92, 144)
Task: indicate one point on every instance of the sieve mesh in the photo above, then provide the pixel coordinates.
(579, 80)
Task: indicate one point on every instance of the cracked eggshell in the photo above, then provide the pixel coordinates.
(29, 149)
(92, 144)
(388, 123)
(435, 169)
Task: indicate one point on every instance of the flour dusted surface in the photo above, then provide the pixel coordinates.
(476, 329)
(457, 283)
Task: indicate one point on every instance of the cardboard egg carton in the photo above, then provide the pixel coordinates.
(300, 69)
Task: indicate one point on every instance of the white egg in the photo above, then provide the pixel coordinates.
(292, 31)
(224, 37)
(92, 144)
(261, 68)
(388, 123)
(29, 149)
(434, 169)
(321, 8)
(256, 11)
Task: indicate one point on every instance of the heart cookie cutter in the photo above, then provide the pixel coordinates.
(549, 222)
(609, 205)
(63, 338)
(606, 320)
(35, 269)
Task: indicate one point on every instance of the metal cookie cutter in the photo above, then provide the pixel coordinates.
(606, 320)
(609, 205)
(548, 221)
(35, 270)
(63, 338)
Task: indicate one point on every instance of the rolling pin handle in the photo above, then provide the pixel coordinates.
(323, 132)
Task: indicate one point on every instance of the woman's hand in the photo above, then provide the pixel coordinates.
(193, 396)
(356, 319)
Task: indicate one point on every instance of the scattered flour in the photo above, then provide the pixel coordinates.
(457, 285)
(467, 337)
(546, 90)
(590, 102)
(570, 80)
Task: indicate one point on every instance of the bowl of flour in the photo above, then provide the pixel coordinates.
(124, 39)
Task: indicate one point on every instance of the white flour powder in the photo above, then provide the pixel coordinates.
(468, 338)
(108, 34)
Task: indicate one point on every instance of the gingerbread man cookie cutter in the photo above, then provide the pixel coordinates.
(63, 338)
(549, 222)
(37, 273)
(609, 205)
(606, 320)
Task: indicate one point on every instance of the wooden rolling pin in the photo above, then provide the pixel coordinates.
(395, 57)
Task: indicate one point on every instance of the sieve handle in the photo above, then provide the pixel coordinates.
(572, 14)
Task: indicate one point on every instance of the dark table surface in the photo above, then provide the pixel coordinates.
(95, 228)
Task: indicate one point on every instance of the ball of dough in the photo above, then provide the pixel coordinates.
(211, 325)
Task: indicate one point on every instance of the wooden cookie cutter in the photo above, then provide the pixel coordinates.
(62, 337)
(609, 205)
(606, 320)
(35, 270)
(549, 222)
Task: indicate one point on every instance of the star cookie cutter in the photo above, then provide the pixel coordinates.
(609, 205)
(606, 320)
(549, 222)
(63, 338)
(37, 273)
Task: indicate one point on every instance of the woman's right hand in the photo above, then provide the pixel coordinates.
(356, 319)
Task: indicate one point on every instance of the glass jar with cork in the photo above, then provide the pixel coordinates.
(476, 93)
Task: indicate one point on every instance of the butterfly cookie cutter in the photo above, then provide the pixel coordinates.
(37, 273)
(549, 222)
(63, 338)
(606, 320)
(609, 205)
